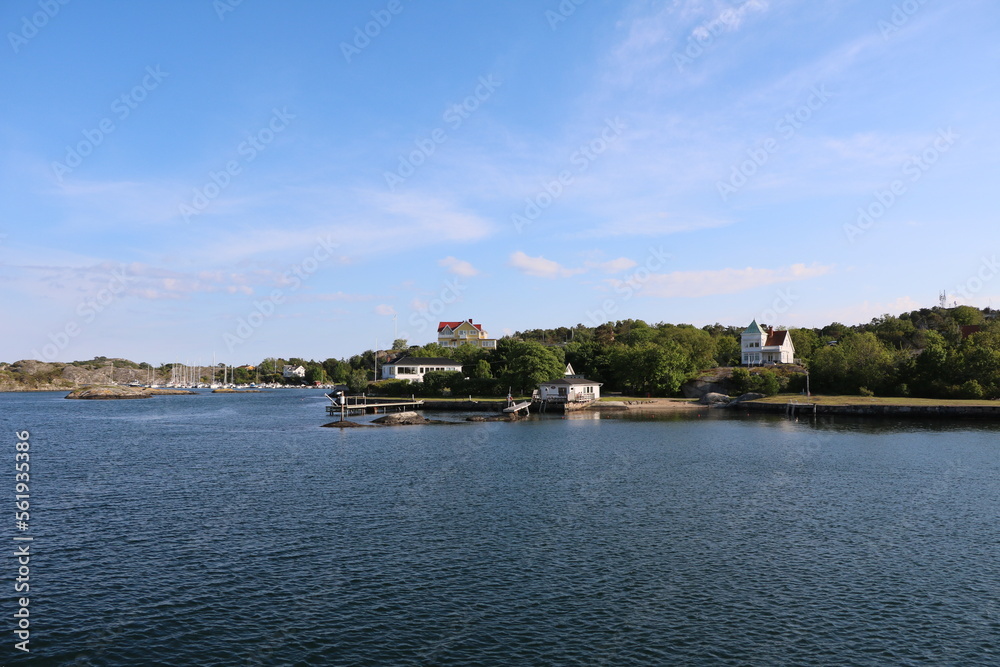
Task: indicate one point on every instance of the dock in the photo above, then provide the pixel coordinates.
(367, 405)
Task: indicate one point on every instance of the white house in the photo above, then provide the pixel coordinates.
(571, 388)
(453, 334)
(766, 346)
(293, 372)
(414, 368)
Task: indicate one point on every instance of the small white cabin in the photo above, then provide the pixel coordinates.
(570, 390)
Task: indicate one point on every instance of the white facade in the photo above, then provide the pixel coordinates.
(570, 390)
(765, 346)
(414, 368)
(293, 372)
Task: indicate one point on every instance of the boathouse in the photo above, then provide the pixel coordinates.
(571, 388)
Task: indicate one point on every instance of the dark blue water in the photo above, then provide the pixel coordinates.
(232, 530)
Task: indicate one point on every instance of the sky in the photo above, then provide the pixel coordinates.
(191, 180)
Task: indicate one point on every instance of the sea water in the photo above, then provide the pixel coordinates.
(222, 529)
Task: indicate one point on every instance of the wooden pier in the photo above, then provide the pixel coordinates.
(368, 405)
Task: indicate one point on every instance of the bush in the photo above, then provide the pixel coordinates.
(769, 383)
(740, 381)
(865, 391)
(391, 388)
(436, 382)
(971, 389)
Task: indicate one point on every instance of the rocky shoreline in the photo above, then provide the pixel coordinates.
(118, 393)
(862, 410)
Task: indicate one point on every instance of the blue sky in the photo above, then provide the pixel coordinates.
(257, 179)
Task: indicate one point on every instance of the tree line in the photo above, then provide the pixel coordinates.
(931, 352)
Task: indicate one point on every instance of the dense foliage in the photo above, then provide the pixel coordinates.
(931, 352)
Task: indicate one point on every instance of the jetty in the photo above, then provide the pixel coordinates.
(367, 405)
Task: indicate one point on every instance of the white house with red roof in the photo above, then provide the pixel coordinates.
(453, 334)
(766, 346)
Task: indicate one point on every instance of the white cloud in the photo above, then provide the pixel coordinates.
(384, 309)
(730, 19)
(458, 266)
(722, 281)
(614, 265)
(541, 267)
(424, 217)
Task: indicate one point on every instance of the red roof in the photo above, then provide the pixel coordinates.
(969, 329)
(775, 338)
(453, 325)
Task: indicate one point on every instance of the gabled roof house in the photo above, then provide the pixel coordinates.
(766, 346)
(453, 334)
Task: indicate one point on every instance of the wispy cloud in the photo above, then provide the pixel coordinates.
(458, 266)
(722, 281)
(540, 267)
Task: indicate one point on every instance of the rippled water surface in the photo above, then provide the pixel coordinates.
(232, 530)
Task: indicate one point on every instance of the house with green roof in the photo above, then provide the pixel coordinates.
(764, 345)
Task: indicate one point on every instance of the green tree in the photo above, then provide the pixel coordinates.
(651, 368)
(727, 351)
(482, 370)
(965, 315)
(526, 364)
(806, 342)
(698, 345)
(740, 381)
(315, 373)
(869, 362)
(357, 381)
(431, 350)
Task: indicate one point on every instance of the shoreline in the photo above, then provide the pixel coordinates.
(931, 409)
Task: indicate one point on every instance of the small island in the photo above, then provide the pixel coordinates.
(119, 392)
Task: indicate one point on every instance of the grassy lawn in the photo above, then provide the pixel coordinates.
(871, 400)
